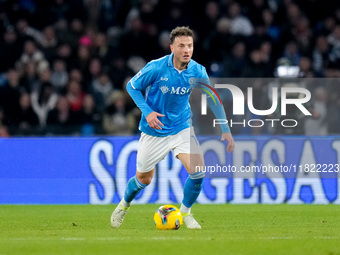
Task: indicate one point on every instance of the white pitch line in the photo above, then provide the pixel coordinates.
(172, 238)
(290, 237)
(277, 237)
(327, 237)
(111, 238)
(168, 238)
(72, 239)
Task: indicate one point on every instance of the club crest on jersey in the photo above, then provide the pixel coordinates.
(164, 89)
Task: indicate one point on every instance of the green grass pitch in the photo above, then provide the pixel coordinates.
(226, 229)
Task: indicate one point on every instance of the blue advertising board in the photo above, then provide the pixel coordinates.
(95, 170)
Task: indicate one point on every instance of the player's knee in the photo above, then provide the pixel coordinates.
(197, 164)
(144, 178)
(198, 168)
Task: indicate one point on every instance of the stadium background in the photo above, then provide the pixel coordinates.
(62, 77)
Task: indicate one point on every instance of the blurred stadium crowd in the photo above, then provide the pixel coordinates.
(64, 63)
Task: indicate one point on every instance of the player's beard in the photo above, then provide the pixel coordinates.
(185, 60)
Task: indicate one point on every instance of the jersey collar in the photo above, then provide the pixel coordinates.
(171, 63)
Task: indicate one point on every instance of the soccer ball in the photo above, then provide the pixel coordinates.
(168, 217)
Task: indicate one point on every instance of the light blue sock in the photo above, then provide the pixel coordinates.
(192, 188)
(132, 189)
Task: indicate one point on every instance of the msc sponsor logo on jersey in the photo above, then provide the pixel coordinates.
(178, 91)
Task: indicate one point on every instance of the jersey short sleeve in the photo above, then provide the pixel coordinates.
(144, 77)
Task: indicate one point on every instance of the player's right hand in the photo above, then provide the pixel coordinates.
(153, 120)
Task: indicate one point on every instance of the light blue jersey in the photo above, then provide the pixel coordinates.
(166, 91)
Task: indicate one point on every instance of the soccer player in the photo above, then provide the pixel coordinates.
(166, 122)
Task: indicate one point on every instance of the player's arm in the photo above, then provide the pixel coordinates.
(150, 115)
(217, 108)
(139, 82)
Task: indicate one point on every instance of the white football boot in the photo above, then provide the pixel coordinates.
(190, 221)
(118, 215)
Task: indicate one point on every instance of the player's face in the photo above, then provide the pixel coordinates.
(182, 47)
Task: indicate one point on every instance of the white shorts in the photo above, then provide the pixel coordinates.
(152, 149)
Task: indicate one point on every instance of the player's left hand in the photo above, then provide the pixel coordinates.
(230, 139)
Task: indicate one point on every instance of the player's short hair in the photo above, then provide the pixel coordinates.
(180, 31)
